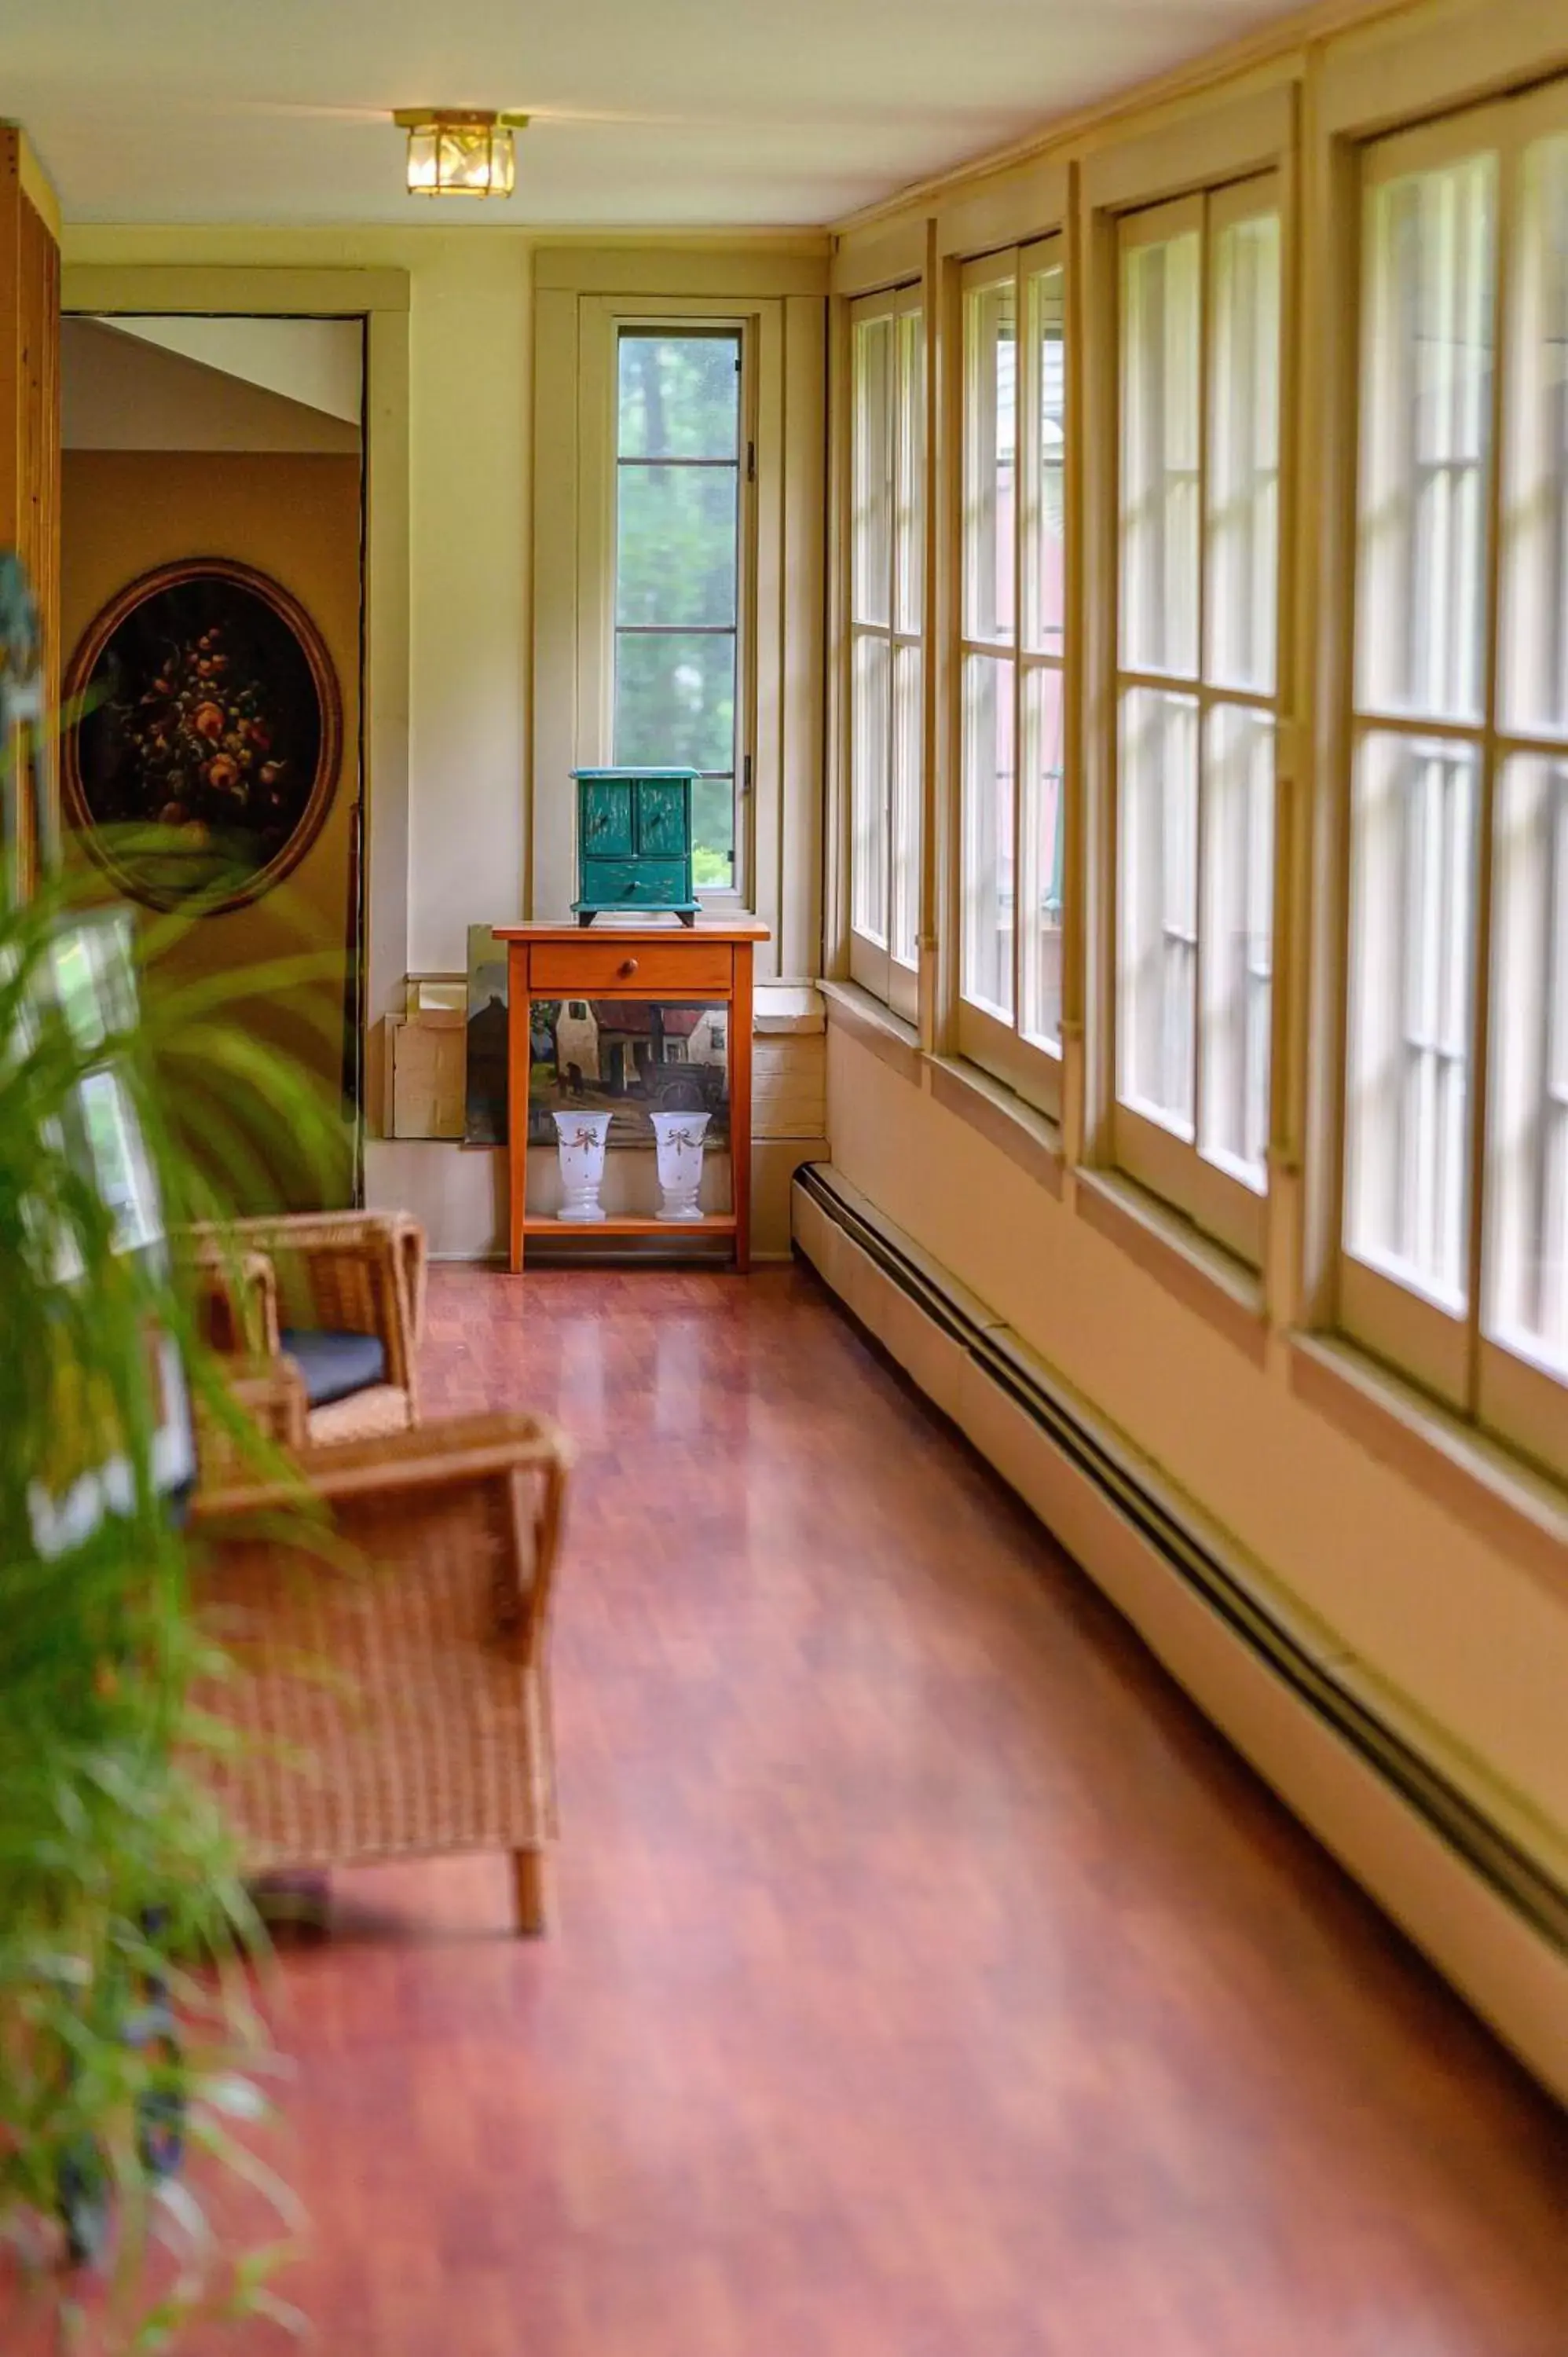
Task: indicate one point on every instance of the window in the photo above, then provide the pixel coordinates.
(886, 655)
(1013, 649)
(1455, 1209)
(1198, 458)
(681, 455)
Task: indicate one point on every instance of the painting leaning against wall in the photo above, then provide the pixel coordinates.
(485, 1100)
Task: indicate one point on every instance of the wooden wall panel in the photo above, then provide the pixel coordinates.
(30, 445)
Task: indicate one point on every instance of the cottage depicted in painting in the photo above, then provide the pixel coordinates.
(632, 1057)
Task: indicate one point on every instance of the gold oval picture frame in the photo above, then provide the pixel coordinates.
(207, 748)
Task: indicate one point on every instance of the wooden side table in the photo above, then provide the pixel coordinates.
(667, 963)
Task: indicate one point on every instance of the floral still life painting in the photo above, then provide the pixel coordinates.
(207, 752)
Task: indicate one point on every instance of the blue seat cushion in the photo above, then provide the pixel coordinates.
(335, 1366)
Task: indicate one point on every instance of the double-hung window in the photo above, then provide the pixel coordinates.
(679, 536)
(1196, 693)
(887, 647)
(1013, 648)
(1456, 1196)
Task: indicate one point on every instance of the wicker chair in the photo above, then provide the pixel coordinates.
(394, 1702)
(340, 1293)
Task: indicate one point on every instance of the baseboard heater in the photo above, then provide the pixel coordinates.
(1528, 1888)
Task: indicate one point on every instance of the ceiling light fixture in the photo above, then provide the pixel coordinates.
(456, 151)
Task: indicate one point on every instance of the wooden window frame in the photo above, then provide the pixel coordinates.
(1029, 1064)
(1226, 1207)
(600, 325)
(1450, 1353)
(876, 963)
(781, 285)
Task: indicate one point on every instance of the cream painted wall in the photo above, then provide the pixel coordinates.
(470, 345)
(1454, 1635)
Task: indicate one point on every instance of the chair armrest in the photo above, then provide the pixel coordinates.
(412, 1252)
(514, 1448)
(271, 1392)
(236, 1297)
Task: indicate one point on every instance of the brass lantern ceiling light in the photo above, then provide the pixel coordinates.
(455, 151)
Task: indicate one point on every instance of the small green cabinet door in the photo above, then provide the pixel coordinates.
(661, 809)
(607, 818)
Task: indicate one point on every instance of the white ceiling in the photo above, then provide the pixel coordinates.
(681, 112)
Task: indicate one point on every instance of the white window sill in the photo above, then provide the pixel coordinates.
(874, 1027)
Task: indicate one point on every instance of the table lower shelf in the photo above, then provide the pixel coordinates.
(722, 1223)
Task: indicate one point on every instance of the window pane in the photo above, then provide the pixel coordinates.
(1535, 636)
(1238, 937)
(713, 833)
(1527, 1291)
(868, 788)
(872, 539)
(1045, 559)
(1426, 370)
(988, 786)
(1157, 906)
(907, 739)
(991, 382)
(1160, 412)
(1244, 454)
(676, 549)
(1040, 1017)
(911, 516)
(1411, 959)
(675, 699)
(680, 395)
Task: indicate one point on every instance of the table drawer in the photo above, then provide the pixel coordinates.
(663, 966)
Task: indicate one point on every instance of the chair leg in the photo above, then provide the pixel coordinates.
(530, 1886)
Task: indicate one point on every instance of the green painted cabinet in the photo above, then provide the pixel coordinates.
(634, 843)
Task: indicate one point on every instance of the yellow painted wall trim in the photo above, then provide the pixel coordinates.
(889, 254)
(601, 237)
(1003, 208)
(1406, 64)
(173, 287)
(1243, 130)
(37, 185)
(734, 268)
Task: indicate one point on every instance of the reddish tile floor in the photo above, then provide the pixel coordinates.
(928, 1980)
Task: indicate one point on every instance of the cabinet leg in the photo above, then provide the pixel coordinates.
(530, 1890)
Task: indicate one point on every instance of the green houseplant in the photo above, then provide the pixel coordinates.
(129, 2038)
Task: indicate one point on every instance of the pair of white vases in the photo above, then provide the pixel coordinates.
(581, 1140)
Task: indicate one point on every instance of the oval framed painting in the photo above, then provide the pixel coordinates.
(208, 751)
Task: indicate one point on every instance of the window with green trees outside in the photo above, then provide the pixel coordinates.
(680, 455)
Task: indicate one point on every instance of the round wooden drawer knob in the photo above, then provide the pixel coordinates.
(628, 967)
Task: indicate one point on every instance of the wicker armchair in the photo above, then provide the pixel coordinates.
(340, 1293)
(394, 1704)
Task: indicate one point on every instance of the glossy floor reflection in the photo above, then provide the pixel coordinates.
(928, 1981)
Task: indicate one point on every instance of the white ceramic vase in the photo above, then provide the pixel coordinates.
(677, 1137)
(581, 1145)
